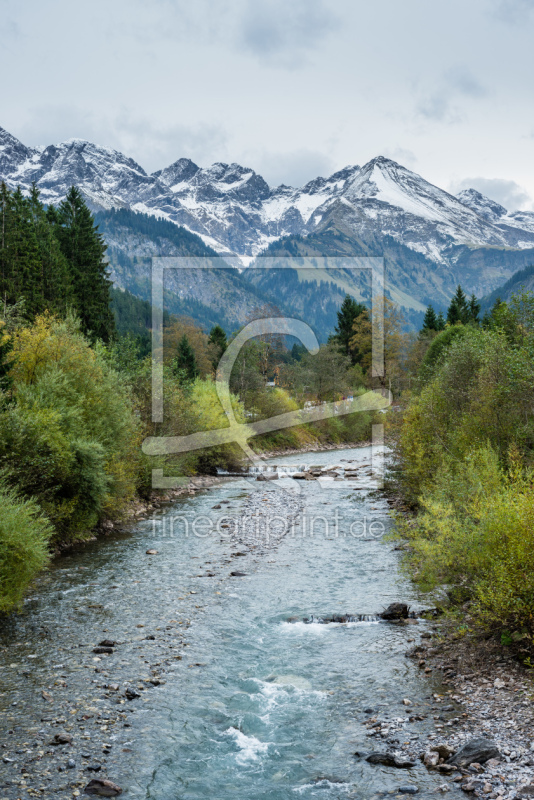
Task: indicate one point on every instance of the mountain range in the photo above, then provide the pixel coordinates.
(431, 240)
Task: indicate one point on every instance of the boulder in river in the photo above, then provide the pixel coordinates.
(475, 751)
(107, 643)
(103, 650)
(267, 476)
(390, 760)
(396, 611)
(102, 788)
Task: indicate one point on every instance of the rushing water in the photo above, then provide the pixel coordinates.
(257, 706)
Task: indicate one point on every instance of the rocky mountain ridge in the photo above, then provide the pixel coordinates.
(235, 212)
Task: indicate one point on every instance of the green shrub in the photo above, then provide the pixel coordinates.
(475, 534)
(437, 348)
(24, 536)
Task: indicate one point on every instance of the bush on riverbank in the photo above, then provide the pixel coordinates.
(68, 433)
(24, 536)
(465, 460)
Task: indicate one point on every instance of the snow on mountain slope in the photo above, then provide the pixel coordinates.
(235, 211)
(482, 205)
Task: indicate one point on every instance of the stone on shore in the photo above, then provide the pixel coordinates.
(389, 760)
(102, 788)
(475, 751)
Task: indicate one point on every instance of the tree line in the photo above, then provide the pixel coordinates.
(54, 258)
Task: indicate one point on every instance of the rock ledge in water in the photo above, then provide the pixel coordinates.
(396, 611)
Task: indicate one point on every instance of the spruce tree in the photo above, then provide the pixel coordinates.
(440, 322)
(84, 249)
(474, 310)
(430, 321)
(55, 285)
(19, 259)
(185, 363)
(217, 338)
(346, 316)
(458, 310)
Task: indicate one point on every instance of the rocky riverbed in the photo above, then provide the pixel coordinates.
(82, 708)
(487, 695)
(167, 665)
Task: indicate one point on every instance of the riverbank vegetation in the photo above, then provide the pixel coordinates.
(465, 464)
(76, 388)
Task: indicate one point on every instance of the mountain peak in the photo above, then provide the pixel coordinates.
(178, 172)
(483, 205)
(12, 152)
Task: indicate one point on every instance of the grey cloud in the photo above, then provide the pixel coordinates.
(514, 11)
(294, 168)
(441, 103)
(508, 193)
(281, 32)
(400, 154)
(160, 145)
(152, 145)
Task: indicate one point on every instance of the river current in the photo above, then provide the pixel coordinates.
(253, 702)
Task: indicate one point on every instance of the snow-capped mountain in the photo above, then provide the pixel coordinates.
(234, 210)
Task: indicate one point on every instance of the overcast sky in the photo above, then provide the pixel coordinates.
(292, 88)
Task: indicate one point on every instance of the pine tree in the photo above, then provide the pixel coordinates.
(430, 321)
(474, 310)
(84, 249)
(346, 316)
(440, 322)
(217, 338)
(458, 310)
(185, 363)
(20, 266)
(54, 273)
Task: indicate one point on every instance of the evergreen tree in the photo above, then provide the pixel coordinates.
(474, 310)
(185, 363)
(84, 249)
(217, 338)
(440, 322)
(19, 259)
(430, 321)
(54, 279)
(346, 316)
(298, 351)
(458, 310)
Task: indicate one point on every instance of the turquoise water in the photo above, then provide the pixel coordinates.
(257, 706)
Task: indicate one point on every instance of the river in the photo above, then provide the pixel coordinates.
(239, 697)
